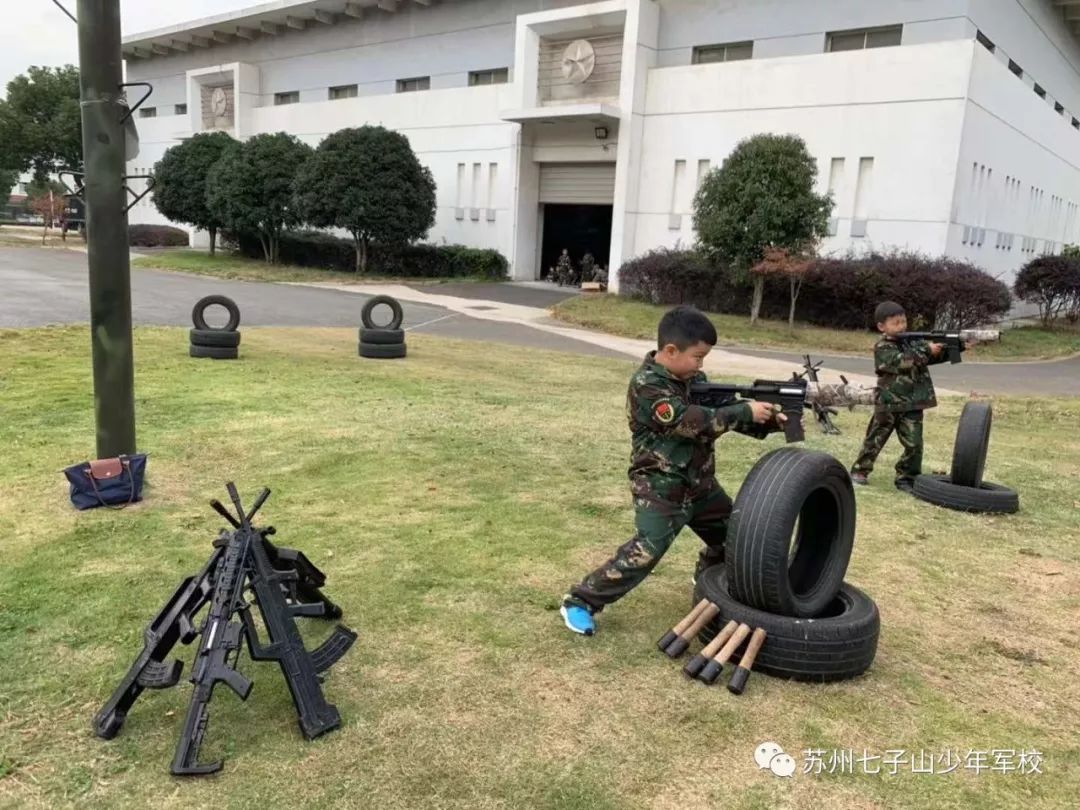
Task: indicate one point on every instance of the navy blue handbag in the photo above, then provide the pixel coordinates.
(112, 482)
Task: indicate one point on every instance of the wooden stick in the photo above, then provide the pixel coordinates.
(742, 672)
(682, 641)
(698, 661)
(678, 629)
(715, 667)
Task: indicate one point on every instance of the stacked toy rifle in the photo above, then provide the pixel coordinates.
(285, 584)
(823, 413)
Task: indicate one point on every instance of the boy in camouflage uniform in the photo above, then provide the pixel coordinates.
(904, 391)
(671, 465)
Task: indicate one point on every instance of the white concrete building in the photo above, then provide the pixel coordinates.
(945, 126)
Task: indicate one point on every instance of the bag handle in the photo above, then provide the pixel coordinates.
(131, 480)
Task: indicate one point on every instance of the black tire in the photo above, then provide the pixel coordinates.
(791, 487)
(382, 300)
(972, 442)
(986, 498)
(839, 644)
(382, 351)
(198, 314)
(216, 352)
(385, 336)
(214, 337)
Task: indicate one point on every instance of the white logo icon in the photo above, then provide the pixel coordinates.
(783, 765)
(578, 61)
(771, 756)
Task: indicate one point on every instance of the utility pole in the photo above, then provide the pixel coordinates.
(100, 76)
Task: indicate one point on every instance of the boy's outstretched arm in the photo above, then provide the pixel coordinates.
(667, 413)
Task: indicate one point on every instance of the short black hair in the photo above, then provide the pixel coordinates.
(685, 326)
(886, 310)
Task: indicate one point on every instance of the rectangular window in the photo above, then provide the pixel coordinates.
(497, 76)
(180, 109)
(983, 40)
(863, 188)
(493, 174)
(858, 39)
(1076, 123)
(148, 112)
(292, 97)
(460, 184)
(413, 85)
(475, 195)
(679, 178)
(1058, 108)
(1015, 68)
(1039, 91)
(727, 52)
(702, 170)
(343, 91)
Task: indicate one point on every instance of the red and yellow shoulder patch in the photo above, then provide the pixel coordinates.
(664, 412)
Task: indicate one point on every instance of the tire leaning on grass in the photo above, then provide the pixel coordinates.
(216, 352)
(198, 313)
(383, 336)
(214, 337)
(987, 498)
(971, 445)
(839, 644)
(396, 317)
(382, 351)
(791, 493)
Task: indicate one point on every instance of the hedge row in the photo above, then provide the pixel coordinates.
(156, 236)
(321, 250)
(938, 293)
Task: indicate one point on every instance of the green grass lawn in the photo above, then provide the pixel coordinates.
(226, 265)
(452, 498)
(621, 316)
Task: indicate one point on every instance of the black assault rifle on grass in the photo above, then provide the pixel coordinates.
(285, 585)
(790, 396)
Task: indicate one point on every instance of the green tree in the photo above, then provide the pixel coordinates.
(180, 181)
(368, 181)
(41, 123)
(251, 187)
(761, 197)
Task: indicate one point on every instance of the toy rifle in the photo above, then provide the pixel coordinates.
(789, 395)
(823, 413)
(285, 585)
(955, 342)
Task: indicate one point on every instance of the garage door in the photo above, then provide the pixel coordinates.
(577, 183)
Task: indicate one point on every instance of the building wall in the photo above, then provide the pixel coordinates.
(1019, 173)
(927, 113)
(903, 107)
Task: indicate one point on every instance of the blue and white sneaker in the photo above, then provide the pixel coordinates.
(578, 619)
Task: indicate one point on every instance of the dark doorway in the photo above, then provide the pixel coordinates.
(580, 229)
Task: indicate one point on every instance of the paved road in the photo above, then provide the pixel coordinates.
(1058, 378)
(42, 287)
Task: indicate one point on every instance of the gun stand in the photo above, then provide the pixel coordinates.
(284, 584)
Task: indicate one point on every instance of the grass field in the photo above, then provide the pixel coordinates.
(225, 265)
(451, 499)
(620, 316)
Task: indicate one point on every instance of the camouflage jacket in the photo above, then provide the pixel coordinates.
(904, 382)
(673, 440)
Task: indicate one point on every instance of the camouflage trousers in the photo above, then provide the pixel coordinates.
(908, 426)
(658, 517)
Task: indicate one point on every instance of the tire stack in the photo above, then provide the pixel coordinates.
(964, 488)
(218, 343)
(790, 538)
(386, 340)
